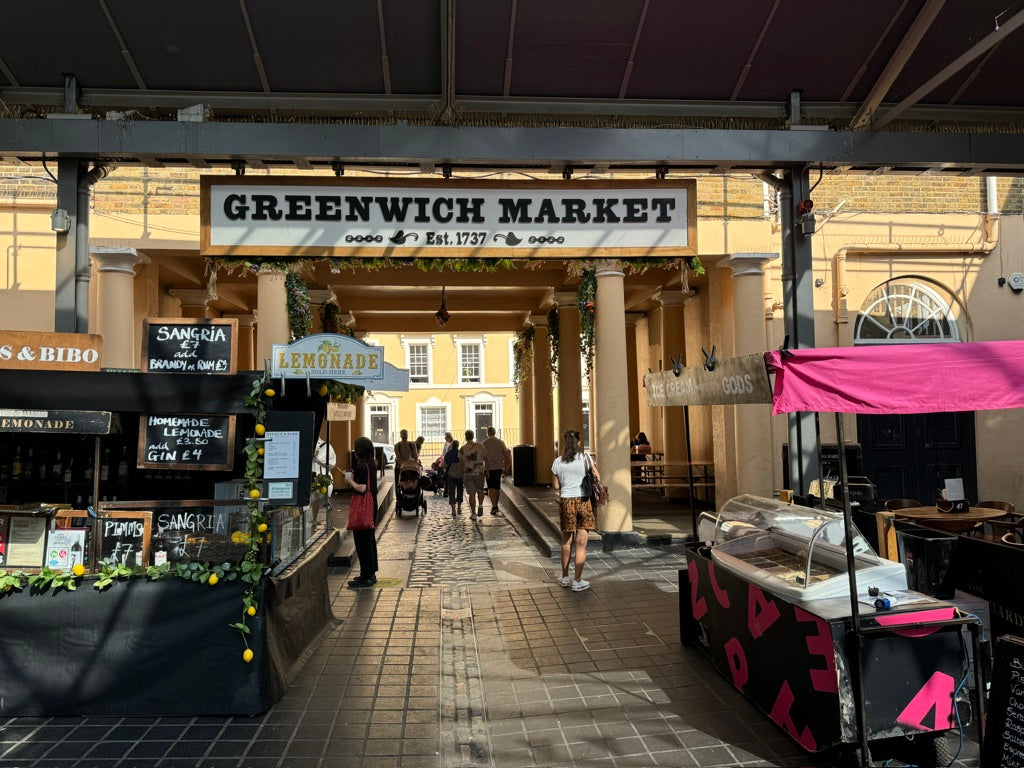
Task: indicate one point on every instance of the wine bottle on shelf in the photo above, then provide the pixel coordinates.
(105, 466)
(43, 469)
(5, 466)
(122, 467)
(16, 464)
(69, 470)
(58, 469)
(28, 468)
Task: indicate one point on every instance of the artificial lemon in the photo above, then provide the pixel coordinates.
(251, 610)
(247, 655)
(78, 570)
(254, 493)
(269, 392)
(260, 429)
(214, 578)
(260, 451)
(323, 390)
(262, 527)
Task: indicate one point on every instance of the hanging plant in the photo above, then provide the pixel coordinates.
(553, 342)
(522, 357)
(300, 318)
(330, 319)
(586, 300)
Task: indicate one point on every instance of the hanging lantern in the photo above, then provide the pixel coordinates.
(442, 313)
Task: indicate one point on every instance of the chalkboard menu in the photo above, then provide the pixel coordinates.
(124, 536)
(1004, 732)
(184, 441)
(184, 345)
(216, 532)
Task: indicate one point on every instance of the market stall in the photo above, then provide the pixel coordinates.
(833, 669)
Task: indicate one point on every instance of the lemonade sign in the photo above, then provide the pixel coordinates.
(328, 356)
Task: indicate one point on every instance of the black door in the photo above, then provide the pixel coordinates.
(909, 456)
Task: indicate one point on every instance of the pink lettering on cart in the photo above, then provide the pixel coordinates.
(782, 715)
(896, 619)
(720, 594)
(937, 693)
(761, 612)
(820, 644)
(700, 605)
(737, 662)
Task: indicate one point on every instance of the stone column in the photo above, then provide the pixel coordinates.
(246, 333)
(526, 400)
(115, 304)
(195, 302)
(673, 344)
(612, 439)
(272, 304)
(570, 371)
(632, 374)
(543, 408)
(753, 422)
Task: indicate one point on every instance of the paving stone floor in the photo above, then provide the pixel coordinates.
(467, 654)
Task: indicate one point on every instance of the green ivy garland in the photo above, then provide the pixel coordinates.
(522, 357)
(330, 319)
(586, 301)
(300, 318)
(553, 342)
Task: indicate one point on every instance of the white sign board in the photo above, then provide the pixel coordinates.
(304, 217)
(735, 381)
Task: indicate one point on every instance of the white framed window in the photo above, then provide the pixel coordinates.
(908, 311)
(418, 357)
(433, 419)
(471, 362)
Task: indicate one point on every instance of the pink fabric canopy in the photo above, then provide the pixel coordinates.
(911, 378)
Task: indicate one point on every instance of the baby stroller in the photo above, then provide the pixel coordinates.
(438, 477)
(409, 493)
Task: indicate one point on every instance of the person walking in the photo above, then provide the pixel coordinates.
(404, 451)
(363, 480)
(448, 440)
(474, 466)
(576, 516)
(453, 477)
(497, 466)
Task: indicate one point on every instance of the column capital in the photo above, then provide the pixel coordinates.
(193, 297)
(565, 299)
(110, 259)
(632, 318)
(244, 321)
(743, 264)
(608, 268)
(321, 296)
(539, 321)
(670, 298)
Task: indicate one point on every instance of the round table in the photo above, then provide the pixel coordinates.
(955, 522)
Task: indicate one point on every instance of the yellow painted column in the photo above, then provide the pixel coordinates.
(612, 438)
(272, 305)
(673, 345)
(633, 379)
(525, 393)
(195, 302)
(115, 304)
(570, 370)
(246, 334)
(753, 422)
(543, 407)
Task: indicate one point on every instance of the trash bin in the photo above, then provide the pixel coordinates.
(928, 557)
(524, 465)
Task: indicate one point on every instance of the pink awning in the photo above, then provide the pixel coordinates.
(911, 378)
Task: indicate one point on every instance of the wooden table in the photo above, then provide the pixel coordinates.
(663, 475)
(954, 522)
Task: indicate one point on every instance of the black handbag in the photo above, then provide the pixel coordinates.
(592, 487)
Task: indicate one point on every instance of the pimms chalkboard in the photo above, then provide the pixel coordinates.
(1004, 734)
(184, 345)
(124, 536)
(182, 441)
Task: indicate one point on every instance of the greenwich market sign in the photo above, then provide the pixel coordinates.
(424, 218)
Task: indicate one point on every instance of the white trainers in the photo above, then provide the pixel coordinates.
(565, 581)
(579, 586)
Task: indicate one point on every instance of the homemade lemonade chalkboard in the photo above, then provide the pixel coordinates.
(184, 441)
(190, 345)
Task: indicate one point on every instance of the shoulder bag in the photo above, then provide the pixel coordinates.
(593, 488)
(361, 511)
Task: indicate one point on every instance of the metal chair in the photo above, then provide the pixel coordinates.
(1007, 506)
(1013, 539)
(894, 504)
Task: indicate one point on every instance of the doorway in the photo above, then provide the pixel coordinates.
(910, 456)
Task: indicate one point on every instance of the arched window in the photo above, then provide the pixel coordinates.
(909, 311)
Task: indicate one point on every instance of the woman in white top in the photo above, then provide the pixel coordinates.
(575, 512)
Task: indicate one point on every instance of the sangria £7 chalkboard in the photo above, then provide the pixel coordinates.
(187, 441)
(187, 345)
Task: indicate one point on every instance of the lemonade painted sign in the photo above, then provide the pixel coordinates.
(328, 356)
(50, 351)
